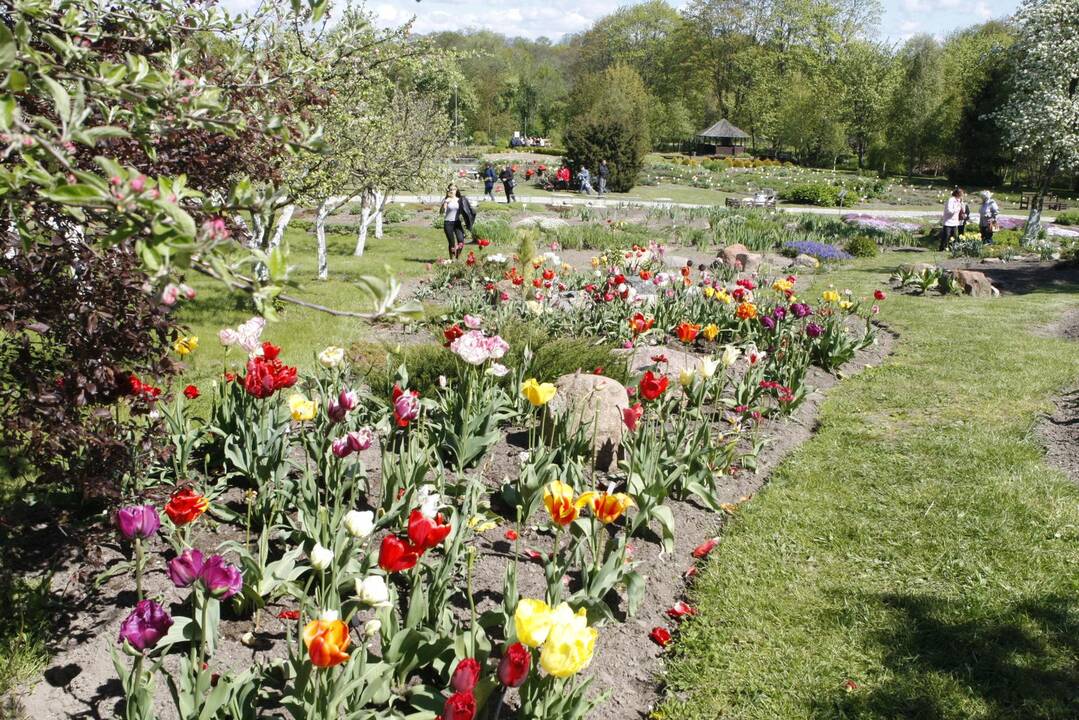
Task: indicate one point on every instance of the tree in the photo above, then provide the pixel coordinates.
(610, 121)
(1041, 115)
(917, 101)
(865, 86)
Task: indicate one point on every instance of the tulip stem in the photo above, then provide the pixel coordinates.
(501, 702)
(138, 568)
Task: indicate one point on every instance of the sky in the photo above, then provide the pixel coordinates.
(556, 18)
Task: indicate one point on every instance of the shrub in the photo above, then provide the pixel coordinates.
(821, 194)
(1067, 217)
(590, 140)
(862, 246)
(496, 230)
(394, 214)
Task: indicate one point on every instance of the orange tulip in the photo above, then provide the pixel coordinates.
(608, 507)
(558, 499)
(687, 332)
(746, 311)
(326, 641)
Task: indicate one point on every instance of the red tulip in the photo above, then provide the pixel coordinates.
(879, 294)
(465, 675)
(652, 385)
(459, 706)
(705, 547)
(511, 535)
(514, 666)
(191, 392)
(426, 533)
(395, 555)
(185, 506)
(680, 609)
(660, 636)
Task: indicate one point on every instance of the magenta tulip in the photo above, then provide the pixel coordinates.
(341, 447)
(137, 521)
(185, 568)
(146, 624)
(222, 579)
(359, 440)
(349, 399)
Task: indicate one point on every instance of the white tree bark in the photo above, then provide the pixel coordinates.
(365, 220)
(282, 223)
(257, 234)
(328, 206)
(380, 204)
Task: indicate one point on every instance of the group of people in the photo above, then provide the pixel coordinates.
(957, 215)
(506, 176)
(527, 141)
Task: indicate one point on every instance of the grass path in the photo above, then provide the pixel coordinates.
(917, 546)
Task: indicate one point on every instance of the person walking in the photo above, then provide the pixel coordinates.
(489, 182)
(584, 179)
(457, 214)
(987, 217)
(953, 208)
(506, 176)
(562, 178)
(604, 172)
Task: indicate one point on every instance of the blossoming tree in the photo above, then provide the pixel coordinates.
(1041, 114)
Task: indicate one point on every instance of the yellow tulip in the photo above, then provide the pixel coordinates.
(845, 304)
(570, 643)
(724, 297)
(536, 392)
(685, 376)
(710, 332)
(830, 296)
(186, 345)
(709, 291)
(532, 619)
(783, 285)
(301, 408)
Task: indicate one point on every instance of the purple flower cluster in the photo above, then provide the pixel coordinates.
(822, 251)
(146, 624)
(220, 578)
(1010, 223)
(880, 224)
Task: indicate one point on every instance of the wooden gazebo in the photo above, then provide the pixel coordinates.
(722, 139)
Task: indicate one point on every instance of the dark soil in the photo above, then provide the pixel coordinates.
(1020, 277)
(1058, 432)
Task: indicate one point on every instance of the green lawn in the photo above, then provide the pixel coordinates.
(303, 332)
(916, 546)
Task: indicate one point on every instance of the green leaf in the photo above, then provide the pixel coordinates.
(60, 97)
(7, 48)
(7, 112)
(16, 81)
(77, 194)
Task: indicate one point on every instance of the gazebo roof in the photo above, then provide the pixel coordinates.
(722, 130)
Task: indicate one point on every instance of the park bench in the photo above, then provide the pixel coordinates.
(765, 198)
(1050, 202)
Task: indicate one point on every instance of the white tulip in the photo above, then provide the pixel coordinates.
(332, 356)
(330, 615)
(321, 557)
(372, 627)
(372, 590)
(359, 523)
(706, 366)
(429, 501)
(730, 355)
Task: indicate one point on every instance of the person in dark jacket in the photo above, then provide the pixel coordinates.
(457, 215)
(506, 176)
(604, 173)
(489, 182)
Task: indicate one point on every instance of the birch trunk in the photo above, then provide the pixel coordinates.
(365, 220)
(282, 223)
(328, 206)
(380, 204)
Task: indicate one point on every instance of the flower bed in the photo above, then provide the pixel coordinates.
(412, 557)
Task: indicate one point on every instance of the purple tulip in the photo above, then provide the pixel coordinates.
(185, 568)
(768, 323)
(222, 579)
(801, 310)
(146, 624)
(137, 521)
(359, 440)
(341, 447)
(335, 411)
(814, 330)
(348, 399)
(406, 407)
(780, 313)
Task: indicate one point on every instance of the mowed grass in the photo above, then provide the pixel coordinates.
(406, 250)
(915, 558)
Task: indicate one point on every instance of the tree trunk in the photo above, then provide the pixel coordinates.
(255, 243)
(1034, 219)
(380, 204)
(282, 223)
(328, 206)
(365, 220)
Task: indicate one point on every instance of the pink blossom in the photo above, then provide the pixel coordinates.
(498, 370)
(473, 322)
(170, 294)
(341, 447)
(188, 291)
(471, 347)
(228, 336)
(497, 347)
(359, 440)
(138, 184)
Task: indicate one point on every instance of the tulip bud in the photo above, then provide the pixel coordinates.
(465, 675)
(341, 447)
(372, 590)
(359, 523)
(348, 399)
(137, 521)
(185, 568)
(514, 666)
(372, 627)
(335, 411)
(360, 440)
(321, 557)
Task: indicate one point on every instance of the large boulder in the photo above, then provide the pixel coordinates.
(806, 261)
(741, 257)
(672, 362)
(596, 402)
(975, 283)
(917, 268)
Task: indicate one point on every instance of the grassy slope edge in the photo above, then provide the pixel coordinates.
(917, 546)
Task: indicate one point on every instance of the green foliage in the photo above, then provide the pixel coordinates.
(588, 141)
(1067, 217)
(497, 230)
(821, 194)
(862, 246)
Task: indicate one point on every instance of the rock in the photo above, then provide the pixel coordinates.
(975, 283)
(640, 359)
(597, 402)
(779, 262)
(675, 261)
(991, 261)
(806, 261)
(917, 268)
(730, 253)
